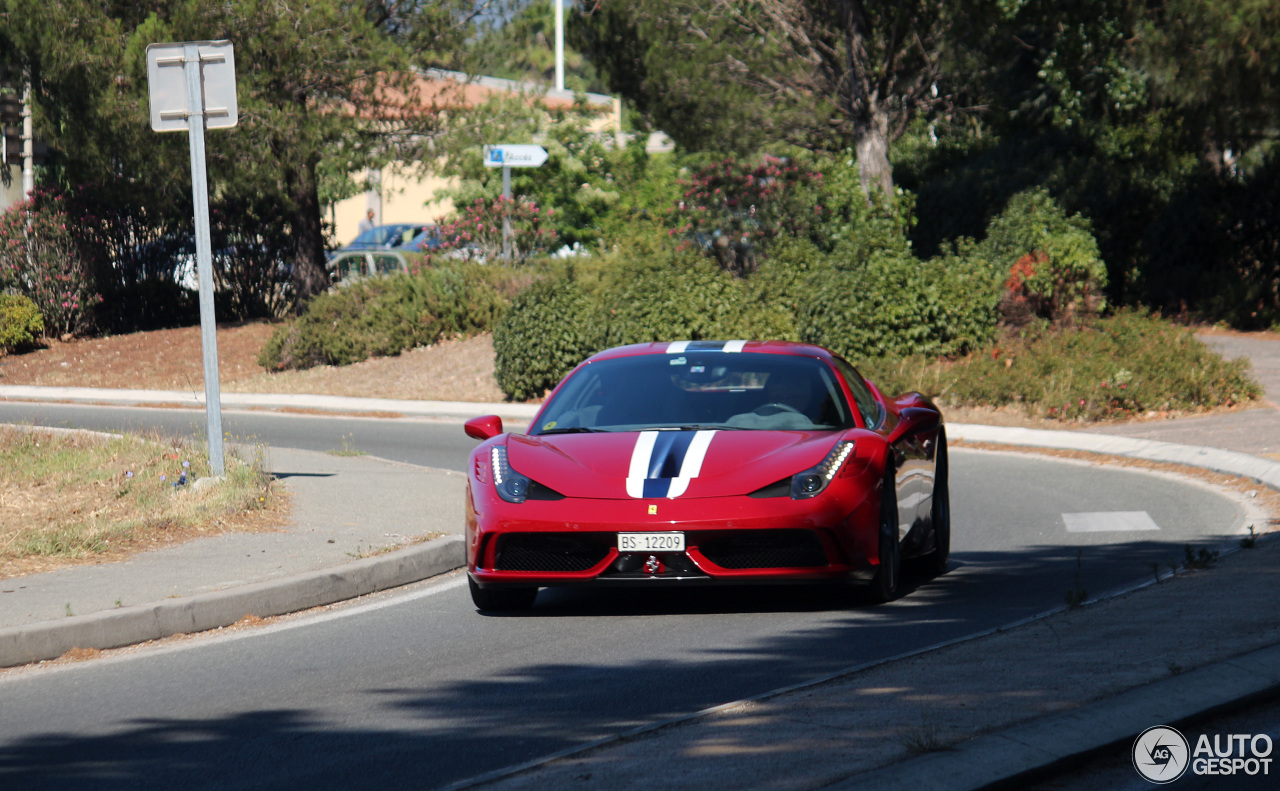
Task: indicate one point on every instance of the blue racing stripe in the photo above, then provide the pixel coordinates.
(668, 453)
(657, 487)
(705, 346)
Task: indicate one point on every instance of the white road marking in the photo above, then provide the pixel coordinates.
(1109, 522)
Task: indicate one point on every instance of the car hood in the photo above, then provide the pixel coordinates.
(666, 464)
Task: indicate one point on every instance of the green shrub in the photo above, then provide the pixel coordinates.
(560, 321)
(1050, 260)
(1113, 368)
(897, 305)
(550, 328)
(698, 302)
(385, 316)
(20, 322)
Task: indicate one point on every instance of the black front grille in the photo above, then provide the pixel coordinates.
(764, 549)
(549, 552)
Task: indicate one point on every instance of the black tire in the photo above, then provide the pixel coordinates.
(888, 580)
(500, 599)
(938, 561)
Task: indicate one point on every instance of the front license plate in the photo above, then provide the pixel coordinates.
(651, 542)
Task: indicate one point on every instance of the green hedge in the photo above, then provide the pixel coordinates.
(20, 322)
(898, 306)
(385, 316)
(1117, 367)
(550, 328)
(892, 305)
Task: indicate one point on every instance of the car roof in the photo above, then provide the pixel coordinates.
(681, 347)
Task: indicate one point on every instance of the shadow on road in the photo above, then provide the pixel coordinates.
(387, 728)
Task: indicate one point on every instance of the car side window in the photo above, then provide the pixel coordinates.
(867, 404)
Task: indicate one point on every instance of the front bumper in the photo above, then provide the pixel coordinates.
(727, 539)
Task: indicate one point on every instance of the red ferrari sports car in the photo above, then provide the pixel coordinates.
(707, 462)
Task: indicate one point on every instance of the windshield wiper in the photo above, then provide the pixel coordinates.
(697, 427)
(571, 430)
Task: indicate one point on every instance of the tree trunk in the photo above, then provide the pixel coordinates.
(309, 276)
(871, 142)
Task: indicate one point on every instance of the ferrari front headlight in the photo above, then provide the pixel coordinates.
(813, 482)
(510, 485)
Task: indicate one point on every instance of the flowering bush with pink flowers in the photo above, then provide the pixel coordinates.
(39, 259)
(474, 232)
(732, 209)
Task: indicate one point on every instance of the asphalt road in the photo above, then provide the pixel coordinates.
(417, 689)
(424, 442)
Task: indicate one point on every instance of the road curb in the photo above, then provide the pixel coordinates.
(135, 624)
(1230, 462)
(1023, 753)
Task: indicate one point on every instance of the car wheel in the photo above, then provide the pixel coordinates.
(498, 599)
(884, 586)
(937, 561)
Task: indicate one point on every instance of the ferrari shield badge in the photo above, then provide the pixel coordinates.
(653, 510)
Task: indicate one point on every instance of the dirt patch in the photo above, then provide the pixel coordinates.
(454, 370)
(159, 360)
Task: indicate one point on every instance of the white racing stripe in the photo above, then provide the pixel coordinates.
(734, 346)
(639, 469)
(642, 461)
(678, 347)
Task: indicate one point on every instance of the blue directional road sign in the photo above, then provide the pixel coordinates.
(514, 156)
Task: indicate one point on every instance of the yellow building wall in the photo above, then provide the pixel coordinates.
(408, 195)
(404, 196)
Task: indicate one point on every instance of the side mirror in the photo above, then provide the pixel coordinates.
(916, 420)
(483, 427)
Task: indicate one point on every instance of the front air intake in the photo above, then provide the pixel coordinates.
(549, 552)
(766, 549)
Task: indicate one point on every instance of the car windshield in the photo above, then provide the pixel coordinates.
(699, 390)
(389, 235)
(427, 239)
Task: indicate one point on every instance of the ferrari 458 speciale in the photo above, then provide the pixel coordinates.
(699, 462)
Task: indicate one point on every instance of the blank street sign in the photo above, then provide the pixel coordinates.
(168, 83)
(1109, 522)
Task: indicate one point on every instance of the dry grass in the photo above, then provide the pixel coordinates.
(76, 497)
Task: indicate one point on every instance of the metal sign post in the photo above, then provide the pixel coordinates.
(507, 157)
(202, 93)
